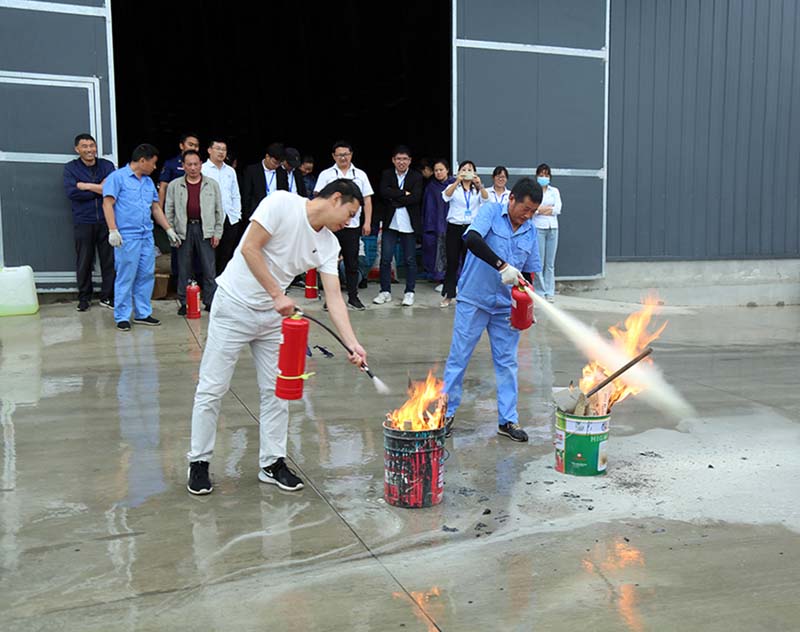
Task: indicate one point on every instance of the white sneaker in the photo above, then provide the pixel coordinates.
(408, 299)
(383, 297)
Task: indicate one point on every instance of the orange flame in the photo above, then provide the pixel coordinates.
(414, 414)
(428, 609)
(631, 340)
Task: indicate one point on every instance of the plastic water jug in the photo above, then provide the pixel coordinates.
(18, 292)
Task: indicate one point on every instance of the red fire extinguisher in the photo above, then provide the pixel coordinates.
(192, 300)
(521, 307)
(311, 283)
(292, 358)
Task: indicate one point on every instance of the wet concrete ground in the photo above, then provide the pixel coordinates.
(696, 526)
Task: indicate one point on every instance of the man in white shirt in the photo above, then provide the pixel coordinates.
(225, 175)
(287, 235)
(350, 236)
(401, 191)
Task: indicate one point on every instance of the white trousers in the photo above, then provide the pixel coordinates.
(231, 327)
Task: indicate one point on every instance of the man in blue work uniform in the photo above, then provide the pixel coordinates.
(130, 202)
(501, 244)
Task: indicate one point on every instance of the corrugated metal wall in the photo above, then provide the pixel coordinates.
(704, 129)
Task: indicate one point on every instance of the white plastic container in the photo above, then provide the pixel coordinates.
(18, 292)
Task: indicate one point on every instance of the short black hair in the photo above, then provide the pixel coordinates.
(527, 187)
(542, 168)
(308, 158)
(498, 170)
(186, 135)
(217, 139)
(191, 152)
(401, 149)
(276, 150)
(444, 161)
(341, 143)
(346, 187)
(81, 137)
(145, 150)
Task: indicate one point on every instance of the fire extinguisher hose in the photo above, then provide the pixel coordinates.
(379, 384)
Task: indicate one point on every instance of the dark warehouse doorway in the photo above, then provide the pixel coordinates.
(305, 74)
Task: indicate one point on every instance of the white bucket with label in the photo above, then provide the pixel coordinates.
(18, 292)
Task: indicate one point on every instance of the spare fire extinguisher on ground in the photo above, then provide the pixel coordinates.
(292, 358)
(192, 300)
(521, 306)
(311, 283)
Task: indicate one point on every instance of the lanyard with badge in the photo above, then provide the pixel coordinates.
(269, 182)
(467, 198)
(290, 176)
(401, 181)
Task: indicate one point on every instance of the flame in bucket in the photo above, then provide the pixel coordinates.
(631, 340)
(415, 415)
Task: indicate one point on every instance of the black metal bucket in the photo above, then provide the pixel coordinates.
(413, 465)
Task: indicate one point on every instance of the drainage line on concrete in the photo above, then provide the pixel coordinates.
(333, 508)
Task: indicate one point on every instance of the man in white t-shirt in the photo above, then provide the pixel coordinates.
(288, 234)
(350, 236)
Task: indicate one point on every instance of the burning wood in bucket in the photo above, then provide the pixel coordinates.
(416, 414)
(600, 388)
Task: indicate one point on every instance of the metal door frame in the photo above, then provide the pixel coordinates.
(536, 49)
(95, 104)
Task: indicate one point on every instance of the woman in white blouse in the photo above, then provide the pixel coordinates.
(499, 191)
(546, 221)
(464, 197)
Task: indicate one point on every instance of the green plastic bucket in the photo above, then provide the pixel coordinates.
(581, 444)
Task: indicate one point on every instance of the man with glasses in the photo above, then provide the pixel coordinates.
(350, 236)
(225, 175)
(401, 190)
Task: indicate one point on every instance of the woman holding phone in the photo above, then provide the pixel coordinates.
(464, 196)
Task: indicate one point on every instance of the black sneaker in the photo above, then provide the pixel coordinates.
(152, 322)
(448, 425)
(124, 325)
(355, 303)
(83, 305)
(279, 474)
(199, 480)
(182, 310)
(207, 308)
(325, 306)
(107, 302)
(513, 432)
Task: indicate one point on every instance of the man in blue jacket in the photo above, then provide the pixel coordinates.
(502, 244)
(83, 183)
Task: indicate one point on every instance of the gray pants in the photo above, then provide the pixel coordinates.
(194, 243)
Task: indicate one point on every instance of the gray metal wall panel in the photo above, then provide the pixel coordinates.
(57, 44)
(704, 138)
(572, 24)
(83, 3)
(37, 219)
(536, 120)
(580, 246)
(27, 107)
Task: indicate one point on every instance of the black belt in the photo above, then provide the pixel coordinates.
(195, 221)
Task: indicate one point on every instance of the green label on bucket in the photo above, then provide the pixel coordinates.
(581, 444)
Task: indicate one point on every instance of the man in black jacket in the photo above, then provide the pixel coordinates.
(401, 191)
(260, 180)
(289, 177)
(83, 184)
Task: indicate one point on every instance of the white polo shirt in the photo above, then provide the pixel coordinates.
(228, 186)
(293, 248)
(356, 175)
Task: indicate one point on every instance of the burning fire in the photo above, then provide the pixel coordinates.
(631, 340)
(414, 414)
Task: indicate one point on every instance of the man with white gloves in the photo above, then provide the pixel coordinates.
(501, 244)
(130, 202)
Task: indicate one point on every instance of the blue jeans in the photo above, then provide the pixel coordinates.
(409, 243)
(545, 282)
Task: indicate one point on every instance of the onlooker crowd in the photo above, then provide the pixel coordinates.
(202, 210)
